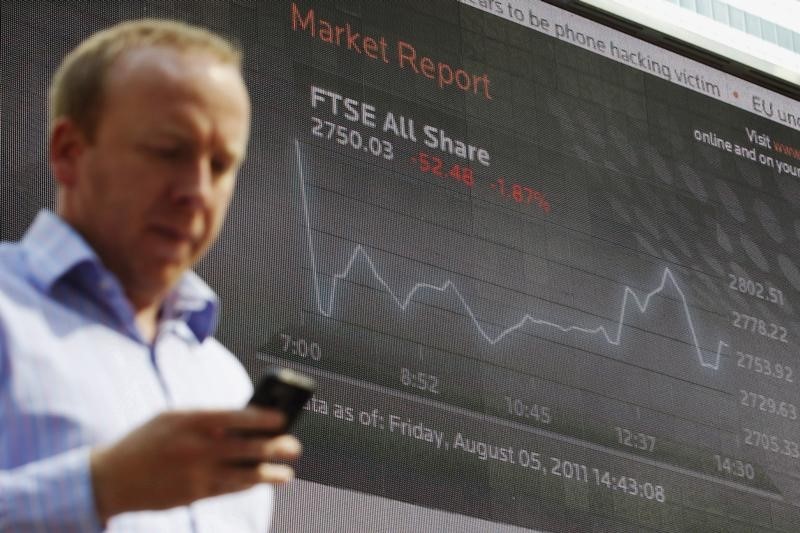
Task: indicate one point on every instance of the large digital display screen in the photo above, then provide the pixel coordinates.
(546, 275)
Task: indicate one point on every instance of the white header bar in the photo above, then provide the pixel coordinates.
(708, 34)
(784, 13)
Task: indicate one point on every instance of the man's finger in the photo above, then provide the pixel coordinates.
(275, 474)
(234, 478)
(259, 449)
(252, 419)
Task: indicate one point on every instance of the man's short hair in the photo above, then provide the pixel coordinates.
(76, 90)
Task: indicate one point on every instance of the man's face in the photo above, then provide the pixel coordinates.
(152, 187)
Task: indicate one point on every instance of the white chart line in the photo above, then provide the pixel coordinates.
(614, 338)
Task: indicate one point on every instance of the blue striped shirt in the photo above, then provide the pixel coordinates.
(75, 373)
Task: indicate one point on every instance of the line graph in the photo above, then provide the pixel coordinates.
(612, 336)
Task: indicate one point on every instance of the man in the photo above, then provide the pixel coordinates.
(118, 410)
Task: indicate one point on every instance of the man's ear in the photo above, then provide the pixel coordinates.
(67, 144)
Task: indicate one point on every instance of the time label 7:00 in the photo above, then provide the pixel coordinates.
(301, 347)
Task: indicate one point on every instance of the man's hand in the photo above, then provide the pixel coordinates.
(181, 456)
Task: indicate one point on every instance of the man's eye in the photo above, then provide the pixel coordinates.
(220, 164)
(166, 152)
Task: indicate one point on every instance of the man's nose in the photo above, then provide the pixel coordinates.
(194, 184)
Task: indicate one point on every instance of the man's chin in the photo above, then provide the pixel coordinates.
(161, 276)
(171, 272)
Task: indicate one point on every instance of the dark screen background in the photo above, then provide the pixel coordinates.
(403, 290)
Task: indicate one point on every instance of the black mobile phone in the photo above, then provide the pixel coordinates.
(285, 390)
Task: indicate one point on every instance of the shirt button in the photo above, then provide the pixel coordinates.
(106, 284)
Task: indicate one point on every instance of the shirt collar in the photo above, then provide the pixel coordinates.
(54, 250)
(195, 303)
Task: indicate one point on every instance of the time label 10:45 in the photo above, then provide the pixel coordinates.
(528, 410)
